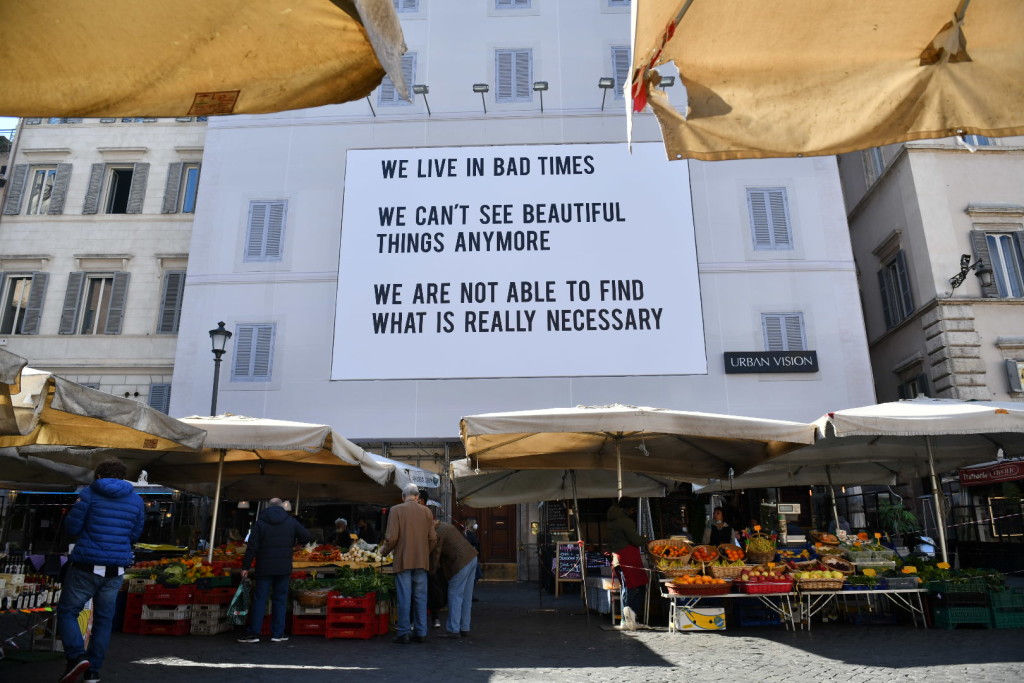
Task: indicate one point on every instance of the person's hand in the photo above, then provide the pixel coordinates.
(245, 574)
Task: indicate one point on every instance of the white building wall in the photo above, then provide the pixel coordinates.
(300, 156)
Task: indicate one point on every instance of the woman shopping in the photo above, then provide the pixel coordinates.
(625, 543)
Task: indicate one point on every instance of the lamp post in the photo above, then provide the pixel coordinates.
(219, 340)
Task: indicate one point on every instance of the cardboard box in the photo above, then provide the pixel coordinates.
(701, 619)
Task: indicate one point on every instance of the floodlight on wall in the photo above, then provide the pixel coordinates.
(422, 89)
(980, 268)
(605, 84)
(540, 87)
(666, 82)
(482, 88)
(243, 505)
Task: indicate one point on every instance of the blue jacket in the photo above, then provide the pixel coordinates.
(108, 520)
(271, 541)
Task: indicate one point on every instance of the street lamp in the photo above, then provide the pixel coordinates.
(605, 84)
(482, 88)
(422, 90)
(219, 340)
(540, 87)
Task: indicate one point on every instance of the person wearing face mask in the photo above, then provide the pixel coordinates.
(471, 533)
(718, 532)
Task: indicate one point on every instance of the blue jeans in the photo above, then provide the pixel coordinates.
(277, 588)
(460, 597)
(79, 587)
(411, 587)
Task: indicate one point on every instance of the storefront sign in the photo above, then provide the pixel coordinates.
(993, 474)
(525, 261)
(745, 362)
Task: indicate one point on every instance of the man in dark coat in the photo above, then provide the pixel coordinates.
(107, 519)
(271, 543)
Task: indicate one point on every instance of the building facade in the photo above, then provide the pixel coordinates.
(94, 236)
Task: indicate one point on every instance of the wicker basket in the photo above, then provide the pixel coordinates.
(710, 550)
(685, 570)
(828, 550)
(838, 564)
(806, 566)
(698, 589)
(824, 538)
(726, 572)
(673, 542)
(312, 598)
(758, 557)
(724, 547)
(820, 584)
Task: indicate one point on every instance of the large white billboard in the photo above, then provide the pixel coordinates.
(517, 261)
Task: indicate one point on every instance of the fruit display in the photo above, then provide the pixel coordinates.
(700, 580)
(704, 554)
(329, 554)
(668, 550)
(176, 571)
(766, 574)
(732, 553)
(818, 574)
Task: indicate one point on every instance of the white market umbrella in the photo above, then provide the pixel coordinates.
(489, 488)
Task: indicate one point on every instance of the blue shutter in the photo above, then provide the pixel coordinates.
(883, 288)
(905, 294)
(160, 397)
(242, 362)
(254, 353)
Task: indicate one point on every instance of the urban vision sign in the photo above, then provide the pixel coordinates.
(746, 362)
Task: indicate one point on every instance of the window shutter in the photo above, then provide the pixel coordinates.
(275, 231)
(160, 397)
(523, 69)
(980, 244)
(243, 353)
(503, 76)
(406, 5)
(118, 297)
(19, 176)
(263, 352)
(137, 195)
(883, 287)
(72, 299)
(91, 204)
(60, 189)
(170, 302)
(621, 65)
(794, 329)
(34, 309)
(257, 231)
(758, 203)
(779, 218)
(388, 92)
(172, 189)
(905, 294)
(772, 327)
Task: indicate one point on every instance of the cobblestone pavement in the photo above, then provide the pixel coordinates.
(519, 635)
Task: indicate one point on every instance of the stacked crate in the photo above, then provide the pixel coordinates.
(167, 611)
(352, 617)
(961, 602)
(1007, 608)
(308, 621)
(210, 610)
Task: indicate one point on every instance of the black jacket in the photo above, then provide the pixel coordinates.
(271, 542)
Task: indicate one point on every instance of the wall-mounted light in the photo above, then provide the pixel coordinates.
(243, 505)
(666, 82)
(980, 268)
(540, 87)
(482, 88)
(605, 84)
(422, 89)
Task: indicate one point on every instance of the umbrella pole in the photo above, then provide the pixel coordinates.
(937, 500)
(216, 505)
(618, 459)
(832, 496)
(579, 544)
(295, 510)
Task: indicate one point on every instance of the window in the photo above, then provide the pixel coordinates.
(170, 302)
(264, 239)
(388, 94)
(46, 188)
(513, 75)
(22, 302)
(182, 188)
(874, 163)
(769, 218)
(977, 140)
(783, 331)
(512, 4)
(117, 188)
(618, 3)
(407, 5)
(1005, 255)
(254, 352)
(913, 387)
(897, 299)
(94, 303)
(621, 64)
(160, 397)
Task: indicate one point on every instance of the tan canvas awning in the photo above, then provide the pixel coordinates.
(93, 58)
(786, 78)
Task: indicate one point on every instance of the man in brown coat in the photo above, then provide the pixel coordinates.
(410, 534)
(457, 560)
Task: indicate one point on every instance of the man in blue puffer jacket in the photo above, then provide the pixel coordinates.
(107, 519)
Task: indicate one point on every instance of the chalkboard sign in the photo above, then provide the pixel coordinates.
(569, 561)
(557, 518)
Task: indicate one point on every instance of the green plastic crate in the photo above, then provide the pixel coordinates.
(973, 585)
(1008, 619)
(1011, 600)
(950, 617)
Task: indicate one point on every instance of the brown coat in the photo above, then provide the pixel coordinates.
(411, 535)
(453, 551)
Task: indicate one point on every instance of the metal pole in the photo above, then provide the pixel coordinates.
(618, 459)
(216, 381)
(583, 552)
(832, 495)
(940, 526)
(295, 508)
(216, 505)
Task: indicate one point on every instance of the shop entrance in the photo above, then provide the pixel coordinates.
(498, 539)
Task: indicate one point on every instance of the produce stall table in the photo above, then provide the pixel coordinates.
(812, 602)
(678, 603)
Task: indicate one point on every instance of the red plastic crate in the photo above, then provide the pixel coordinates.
(214, 596)
(177, 627)
(156, 594)
(349, 614)
(345, 630)
(132, 625)
(367, 602)
(265, 630)
(309, 625)
(134, 601)
(383, 623)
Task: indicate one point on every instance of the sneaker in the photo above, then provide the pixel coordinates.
(249, 638)
(437, 623)
(628, 619)
(92, 676)
(279, 639)
(76, 667)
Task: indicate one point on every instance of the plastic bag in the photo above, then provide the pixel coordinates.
(238, 610)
